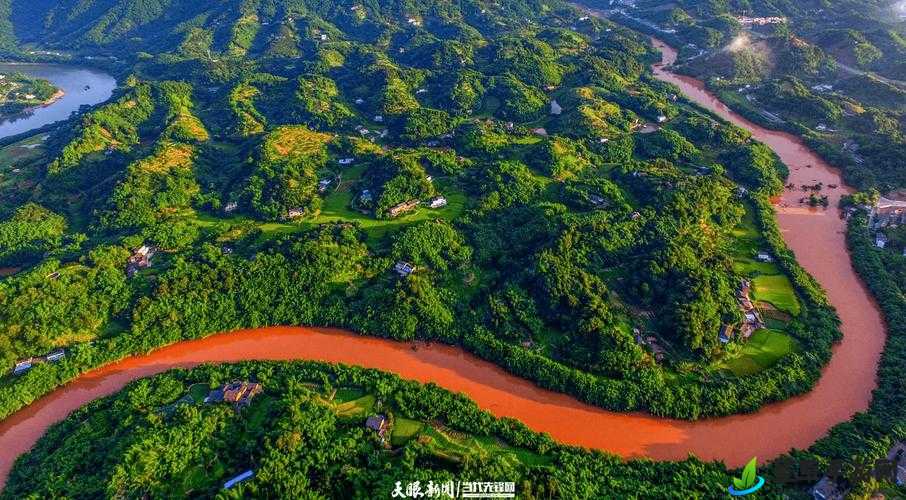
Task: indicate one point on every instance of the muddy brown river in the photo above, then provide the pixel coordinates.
(816, 235)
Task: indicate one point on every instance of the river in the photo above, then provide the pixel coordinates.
(816, 235)
(72, 80)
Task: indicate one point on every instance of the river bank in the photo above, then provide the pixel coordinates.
(814, 234)
(76, 86)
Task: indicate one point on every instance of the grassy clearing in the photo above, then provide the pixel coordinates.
(404, 430)
(357, 407)
(346, 394)
(18, 163)
(778, 291)
(769, 283)
(761, 351)
(198, 392)
(336, 209)
(295, 142)
(455, 447)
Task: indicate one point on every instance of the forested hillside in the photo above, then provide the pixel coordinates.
(834, 73)
(524, 190)
(506, 177)
(305, 434)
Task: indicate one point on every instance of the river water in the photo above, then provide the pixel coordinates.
(815, 235)
(72, 80)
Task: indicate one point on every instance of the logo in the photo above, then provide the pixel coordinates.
(749, 483)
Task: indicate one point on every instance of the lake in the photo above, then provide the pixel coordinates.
(81, 86)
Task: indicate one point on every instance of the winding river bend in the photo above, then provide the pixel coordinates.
(815, 235)
(80, 86)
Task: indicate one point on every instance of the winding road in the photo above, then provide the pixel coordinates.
(816, 235)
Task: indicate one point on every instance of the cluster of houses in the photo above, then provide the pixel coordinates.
(140, 259)
(829, 488)
(651, 343)
(23, 365)
(760, 21)
(238, 393)
(372, 134)
(886, 213)
(751, 318)
(407, 206)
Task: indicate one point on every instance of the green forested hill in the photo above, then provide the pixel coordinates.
(238, 27)
(505, 176)
(562, 213)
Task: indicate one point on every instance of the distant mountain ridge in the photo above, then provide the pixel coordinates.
(234, 27)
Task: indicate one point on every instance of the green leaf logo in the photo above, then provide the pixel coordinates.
(748, 476)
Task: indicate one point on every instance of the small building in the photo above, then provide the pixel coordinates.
(294, 213)
(402, 208)
(140, 259)
(897, 455)
(230, 207)
(378, 118)
(359, 100)
(635, 216)
(323, 184)
(438, 202)
(377, 423)
(661, 118)
(880, 240)
(596, 200)
(366, 196)
(346, 161)
(725, 334)
(403, 268)
(23, 366)
(764, 257)
(540, 131)
(55, 355)
(827, 489)
(245, 476)
(556, 109)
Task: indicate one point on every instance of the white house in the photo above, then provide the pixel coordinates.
(438, 202)
(764, 257)
(346, 161)
(880, 240)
